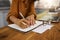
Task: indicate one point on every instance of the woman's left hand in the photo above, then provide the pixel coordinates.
(31, 19)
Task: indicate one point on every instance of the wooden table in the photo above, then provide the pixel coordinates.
(8, 33)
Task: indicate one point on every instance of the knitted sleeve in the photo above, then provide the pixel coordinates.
(13, 10)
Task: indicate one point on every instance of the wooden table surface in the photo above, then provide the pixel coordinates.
(8, 33)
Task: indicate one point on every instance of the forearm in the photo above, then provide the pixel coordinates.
(13, 19)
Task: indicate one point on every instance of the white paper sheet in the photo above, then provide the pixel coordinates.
(42, 28)
(26, 29)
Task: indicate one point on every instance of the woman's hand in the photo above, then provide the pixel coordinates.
(31, 19)
(23, 23)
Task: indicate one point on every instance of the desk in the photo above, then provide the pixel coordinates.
(8, 33)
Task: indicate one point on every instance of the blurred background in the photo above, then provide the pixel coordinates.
(41, 6)
(4, 9)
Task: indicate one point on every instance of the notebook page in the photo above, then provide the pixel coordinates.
(26, 29)
(42, 28)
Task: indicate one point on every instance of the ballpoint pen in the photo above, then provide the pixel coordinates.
(22, 17)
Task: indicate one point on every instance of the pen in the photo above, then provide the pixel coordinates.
(22, 17)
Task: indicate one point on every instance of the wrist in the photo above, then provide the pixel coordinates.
(14, 19)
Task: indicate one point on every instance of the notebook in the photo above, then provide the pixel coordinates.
(28, 28)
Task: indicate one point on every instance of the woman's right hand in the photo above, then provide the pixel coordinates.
(23, 23)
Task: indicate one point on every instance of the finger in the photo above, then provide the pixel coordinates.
(23, 25)
(32, 21)
(28, 18)
(23, 22)
(26, 21)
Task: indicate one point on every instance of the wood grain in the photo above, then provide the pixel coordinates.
(8, 33)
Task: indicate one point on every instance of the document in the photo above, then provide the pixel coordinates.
(41, 29)
(26, 29)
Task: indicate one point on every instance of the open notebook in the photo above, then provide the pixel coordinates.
(38, 27)
(28, 28)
